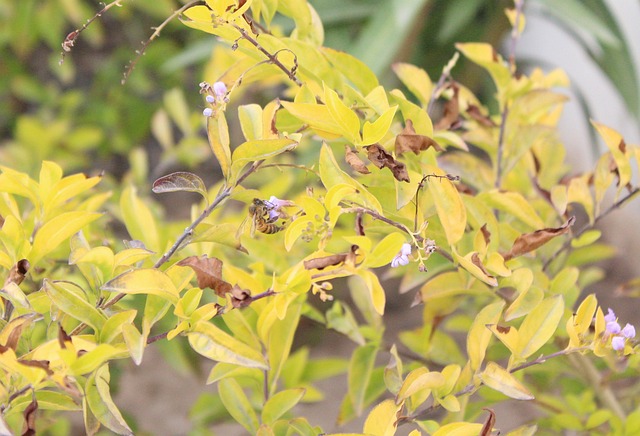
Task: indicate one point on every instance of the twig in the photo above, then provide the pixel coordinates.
(156, 33)
(618, 204)
(503, 125)
(515, 34)
(70, 39)
(382, 218)
(471, 387)
(273, 58)
(446, 73)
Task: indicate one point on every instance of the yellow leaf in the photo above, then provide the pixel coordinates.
(386, 250)
(514, 204)
(316, 116)
(459, 429)
(508, 335)
(485, 55)
(616, 145)
(138, 219)
(376, 292)
(498, 378)
(479, 335)
(449, 206)
(382, 419)
(416, 80)
(343, 116)
(540, 325)
(471, 262)
(148, 281)
(252, 151)
(218, 135)
(419, 379)
(579, 192)
(374, 132)
(55, 231)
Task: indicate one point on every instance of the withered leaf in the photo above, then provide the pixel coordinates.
(531, 241)
(409, 140)
(474, 112)
(451, 111)
(180, 181)
(208, 273)
(475, 259)
(489, 423)
(486, 234)
(42, 364)
(354, 161)
(332, 260)
(503, 329)
(240, 297)
(359, 224)
(30, 417)
(63, 337)
(381, 158)
(17, 272)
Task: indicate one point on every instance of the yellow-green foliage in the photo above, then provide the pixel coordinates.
(337, 178)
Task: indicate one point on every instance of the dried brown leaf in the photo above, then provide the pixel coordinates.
(30, 417)
(208, 273)
(240, 297)
(42, 364)
(18, 272)
(381, 158)
(489, 423)
(474, 112)
(475, 259)
(354, 161)
(63, 337)
(531, 241)
(451, 111)
(409, 140)
(486, 234)
(332, 260)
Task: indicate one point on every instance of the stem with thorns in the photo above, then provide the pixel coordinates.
(70, 39)
(154, 35)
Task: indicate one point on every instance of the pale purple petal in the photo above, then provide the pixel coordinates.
(406, 249)
(617, 343)
(210, 98)
(610, 316)
(207, 112)
(400, 259)
(220, 89)
(613, 327)
(629, 331)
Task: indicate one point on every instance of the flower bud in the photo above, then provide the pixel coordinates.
(220, 89)
(207, 112)
(617, 343)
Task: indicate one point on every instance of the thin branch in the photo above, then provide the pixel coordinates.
(273, 58)
(515, 35)
(503, 125)
(70, 39)
(446, 73)
(382, 218)
(617, 205)
(471, 387)
(156, 33)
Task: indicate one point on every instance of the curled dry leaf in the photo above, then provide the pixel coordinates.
(180, 181)
(486, 234)
(42, 364)
(208, 273)
(474, 112)
(488, 423)
(240, 297)
(475, 259)
(451, 111)
(17, 272)
(63, 337)
(381, 158)
(531, 241)
(332, 260)
(409, 140)
(354, 161)
(30, 417)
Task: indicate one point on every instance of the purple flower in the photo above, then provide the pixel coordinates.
(629, 331)
(210, 98)
(220, 89)
(207, 112)
(402, 258)
(613, 327)
(617, 343)
(610, 316)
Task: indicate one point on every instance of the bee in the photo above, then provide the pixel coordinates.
(260, 219)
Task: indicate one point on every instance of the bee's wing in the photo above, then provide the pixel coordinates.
(243, 224)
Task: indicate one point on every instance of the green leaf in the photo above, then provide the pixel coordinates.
(540, 325)
(501, 380)
(95, 358)
(252, 151)
(148, 281)
(55, 231)
(280, 403)
(102, 406)
(386, 250)
(353, 68)
(237, 404)
(69, 299)
(215, 344)
(113, 327)
(359, 375)
(374, 132)
(136, 343)
(280, 339)
(250, 116)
